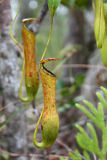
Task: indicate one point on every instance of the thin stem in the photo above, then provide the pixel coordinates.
(11, 27)
(43, 55)
(21, 82)
(36, 130)
(11, 35)
(10, 118)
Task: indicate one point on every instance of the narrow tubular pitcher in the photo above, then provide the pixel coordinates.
(49, 115)
(31, 72)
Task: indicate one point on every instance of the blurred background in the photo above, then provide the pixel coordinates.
(79, 74)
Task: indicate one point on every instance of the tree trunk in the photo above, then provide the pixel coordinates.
(15, 130)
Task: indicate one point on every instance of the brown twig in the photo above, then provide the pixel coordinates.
(64, 145)
(67, 148)
(20, 154)
(4, 107)
(34, 26)
(85, 66)
(31, 155)
(1, 1)
(56, 157)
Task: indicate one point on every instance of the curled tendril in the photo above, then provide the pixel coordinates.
(29, 65)
(49, 115)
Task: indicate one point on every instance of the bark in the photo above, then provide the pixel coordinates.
(15, 131)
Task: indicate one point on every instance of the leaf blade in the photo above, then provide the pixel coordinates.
(53, 5)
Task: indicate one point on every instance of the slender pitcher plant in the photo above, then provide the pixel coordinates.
(31, 72)
(29, 65)
(49, 115)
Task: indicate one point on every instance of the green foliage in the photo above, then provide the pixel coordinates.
(87, 143)
(68, 92)
(90, 143)
(81, 3)
(75, 3)
(67, 3)
(53, 5)
(76, 156)
(4, 156)
(63, 158)
(86, 155)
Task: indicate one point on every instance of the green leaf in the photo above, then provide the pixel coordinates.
(5, 156)
(90, 142)
(95, 144)
(104, 90)
(79, 79)
(90, 115)
(93, 118)
(81, 3)
(101, 115)
(62, 158)
(53, 5)
(87, 143)
(78, 155)
(67, 3)
(104, 142)
(84, 140)
(92, 108)
(72, 155)
(86, 156)
(75, 156)
(102, 99)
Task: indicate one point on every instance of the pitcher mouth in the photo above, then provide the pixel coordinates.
(42, 62)
(47, 71)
